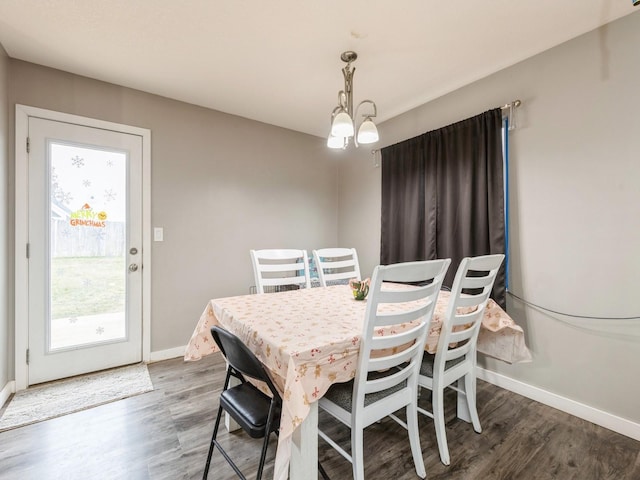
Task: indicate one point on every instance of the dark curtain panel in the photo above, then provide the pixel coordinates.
(443, 196)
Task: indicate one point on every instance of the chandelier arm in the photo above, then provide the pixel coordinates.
(342, 101)
(375, 108)
(347, 72)
(335, 111)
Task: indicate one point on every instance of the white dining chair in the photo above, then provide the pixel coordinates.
(386, 377)
(336, 264)
(455, 358)
(274, 269)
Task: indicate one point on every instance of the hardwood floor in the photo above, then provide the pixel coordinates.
(165, 434)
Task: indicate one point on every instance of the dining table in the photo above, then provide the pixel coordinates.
(309, 339)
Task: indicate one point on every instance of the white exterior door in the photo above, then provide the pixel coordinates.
(84, 249)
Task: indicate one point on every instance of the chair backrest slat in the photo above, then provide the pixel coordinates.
(293, 280)
(467, 318)
(382, 342)
(396, 318)
(387, 382)
(279, 267)
(455, 353)
(377, 364)
(458, 336)
(391, 294)
(476, 282)
(472, 301)
(283, 267)
(335, 264)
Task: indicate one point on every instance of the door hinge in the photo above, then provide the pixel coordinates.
(28, 146)
(27, 250)
(27, 356)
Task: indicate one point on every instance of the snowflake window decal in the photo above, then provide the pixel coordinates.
(109, 163)
(62, 196)
(77, 161)
(109, 195)
(86, 183)
(100, 330)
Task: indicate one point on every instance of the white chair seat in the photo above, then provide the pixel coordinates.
(428, 360)
(342, 393)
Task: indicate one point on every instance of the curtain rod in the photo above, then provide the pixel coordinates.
(506, 106)
(515, 103)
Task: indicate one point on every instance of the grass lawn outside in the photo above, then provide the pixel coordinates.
(87, 286)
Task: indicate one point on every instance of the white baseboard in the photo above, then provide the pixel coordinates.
(591, 414)
(6, 392)
(167, 354)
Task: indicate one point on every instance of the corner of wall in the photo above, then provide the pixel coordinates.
(6, 343)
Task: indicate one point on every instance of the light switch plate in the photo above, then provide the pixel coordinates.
(158, 234)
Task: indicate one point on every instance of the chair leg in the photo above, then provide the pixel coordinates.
(263, 455)
(414, 439)
(211, 446)
(470, 391)
(267, 435)
(357, 452)
(438, 419)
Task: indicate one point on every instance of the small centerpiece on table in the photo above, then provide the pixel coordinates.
(360, 288)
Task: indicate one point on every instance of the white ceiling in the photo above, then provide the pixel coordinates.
(279, 61)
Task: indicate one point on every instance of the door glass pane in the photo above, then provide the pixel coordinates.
(87, 246)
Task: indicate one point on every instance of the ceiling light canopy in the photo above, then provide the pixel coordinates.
(343, 121)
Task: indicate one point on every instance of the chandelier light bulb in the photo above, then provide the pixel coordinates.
(335, 142)
(342, 125)
(368, 133)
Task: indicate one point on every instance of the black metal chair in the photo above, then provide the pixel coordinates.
(257, 413)
(254, 411)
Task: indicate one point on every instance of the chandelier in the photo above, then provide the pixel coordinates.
(343, 121)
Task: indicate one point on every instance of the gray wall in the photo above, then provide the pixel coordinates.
(6, 343)
(221, 185)
(574, 209)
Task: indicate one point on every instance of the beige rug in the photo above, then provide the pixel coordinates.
(62, 397)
